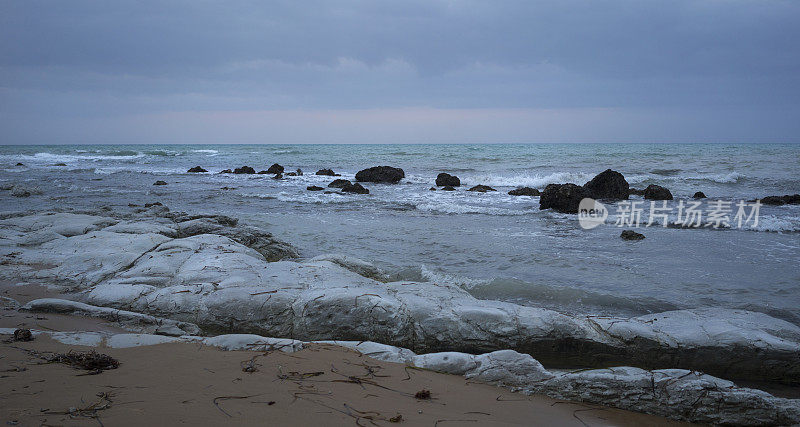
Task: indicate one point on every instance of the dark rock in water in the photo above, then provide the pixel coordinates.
(563, 198)
(20, 164)
(635, 192)
(327, 172)
(278, 176)
(23, 335)
(631, 235)
(339, 183)
(608, 185)
(227, 188)
(291, 173)
(160, 183)
(329, 192)
(773, 200)
(448, 188)
(432, 189)
(445, 179)
(699, 195)
(354, 188)
(150, 205)
(299, 172)
(59, 164)
(196, 169)
(275, 168)
(657, 192)
(244, 169)
(481, 188)
(314, 188)
(226, 171)
(381, 174)
(262, 172)
(789, 199)
(524, 191)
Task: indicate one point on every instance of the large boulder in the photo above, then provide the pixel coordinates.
(524, 191)
(275, 169)
(563, 198)
(657, 192)
(244, 170)
(339, 183)
(381, 174)
(196, 169)
(445, 179)
(609, 184)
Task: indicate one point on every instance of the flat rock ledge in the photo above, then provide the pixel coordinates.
(673, 393)
(187, 272)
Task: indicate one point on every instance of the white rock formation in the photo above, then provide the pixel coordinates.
(138, 264)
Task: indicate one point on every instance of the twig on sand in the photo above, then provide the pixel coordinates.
(218, 399)
(104, 402)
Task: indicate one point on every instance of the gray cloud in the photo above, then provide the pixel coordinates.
(72, 62)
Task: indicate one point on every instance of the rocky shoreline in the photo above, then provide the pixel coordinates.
(211, 273)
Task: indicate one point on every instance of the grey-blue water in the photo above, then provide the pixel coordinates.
(495, 245)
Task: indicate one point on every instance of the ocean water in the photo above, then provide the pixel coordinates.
(494, 245)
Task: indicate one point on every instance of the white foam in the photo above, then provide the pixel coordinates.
(529, 180)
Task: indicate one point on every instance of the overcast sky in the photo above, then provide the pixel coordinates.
(405, 71)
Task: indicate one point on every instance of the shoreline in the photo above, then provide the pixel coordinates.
(174, 383)
(195, 270)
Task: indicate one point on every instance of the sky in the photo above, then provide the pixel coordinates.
(416, 71)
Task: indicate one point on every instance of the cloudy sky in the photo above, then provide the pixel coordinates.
(399, 71)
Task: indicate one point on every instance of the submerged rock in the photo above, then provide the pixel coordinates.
(314, 188)
(160, 183)
(196, 169)
(275, 169)
(244, 170)
(354, 188)
(381, 174)
(563, 198)
(226, 171)
(609, 184)
(631, 235)
(339, 183)
(699, 195)
(278, 176)
(789, 199)
(24, 191)
(445, 179)
(635, 192)
(481, 188)
(20, 164)
(448, 188)
(524, 191)
(432, 189)
(327, 172)
(657, 192)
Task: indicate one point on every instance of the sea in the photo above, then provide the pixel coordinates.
(494, 245)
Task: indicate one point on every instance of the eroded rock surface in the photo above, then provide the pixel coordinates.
(212, 272)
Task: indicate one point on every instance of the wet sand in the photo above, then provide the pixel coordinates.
(322, 384)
